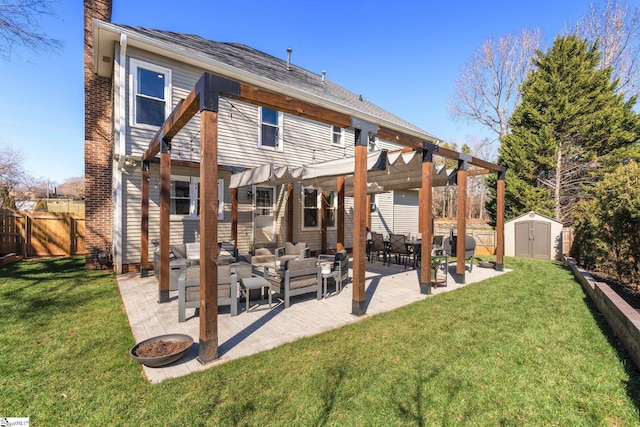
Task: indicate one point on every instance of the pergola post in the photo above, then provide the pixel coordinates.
(463, 165)
(425, 215)
(144, 221)
(289, 214)
(323, 221)
(209, 88)
(165, 204)
(363, 131)
(234, 216)
(368, 220)
(340, 214)
(208, 236)
(500, 219)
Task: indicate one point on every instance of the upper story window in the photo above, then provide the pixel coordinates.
(150, 94)
(185, 197)
(337, 136)
(270, 129)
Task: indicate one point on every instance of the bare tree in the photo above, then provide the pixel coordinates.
(488, 86)
(19, 26)
(11, 174)
(73, 187)
(616, 27)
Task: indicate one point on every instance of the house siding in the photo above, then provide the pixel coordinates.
(304, 141)
(405, 212)
(382, 217)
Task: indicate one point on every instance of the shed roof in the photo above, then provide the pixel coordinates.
(531, 214)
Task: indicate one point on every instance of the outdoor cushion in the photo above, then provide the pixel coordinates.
(193, 251)
(297, 249)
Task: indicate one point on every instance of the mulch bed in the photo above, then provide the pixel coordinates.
(161, 348)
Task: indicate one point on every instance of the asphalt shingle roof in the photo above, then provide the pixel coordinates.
(264, 65)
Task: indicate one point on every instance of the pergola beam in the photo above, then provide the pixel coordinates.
(286, 104)
(179, 117)
(204, 99)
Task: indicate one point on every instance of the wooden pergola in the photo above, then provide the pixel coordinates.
(203, 99)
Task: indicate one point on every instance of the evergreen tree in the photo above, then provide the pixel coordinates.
(569, 124)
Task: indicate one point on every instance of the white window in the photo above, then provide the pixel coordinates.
(330, 210)
(312, 203)
(270, 135)
(185, 197)
(150, 89)
(337, 136)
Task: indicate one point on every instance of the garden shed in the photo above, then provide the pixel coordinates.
(533, 236)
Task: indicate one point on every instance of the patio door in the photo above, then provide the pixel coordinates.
(264, 217)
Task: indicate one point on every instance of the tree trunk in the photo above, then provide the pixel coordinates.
(558, 182)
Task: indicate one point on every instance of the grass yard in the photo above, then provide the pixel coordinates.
(525, 348)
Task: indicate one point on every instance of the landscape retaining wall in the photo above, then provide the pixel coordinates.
(623, 319)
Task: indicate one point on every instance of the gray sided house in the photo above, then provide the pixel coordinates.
(151, 71)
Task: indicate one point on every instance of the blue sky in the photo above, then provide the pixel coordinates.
(402, 55)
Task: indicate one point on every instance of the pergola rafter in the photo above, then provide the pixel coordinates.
(203, 99)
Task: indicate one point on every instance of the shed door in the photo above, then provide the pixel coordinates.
(541, 243)
(533, 239)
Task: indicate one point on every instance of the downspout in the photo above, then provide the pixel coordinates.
(119, 123)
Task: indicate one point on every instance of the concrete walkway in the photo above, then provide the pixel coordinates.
(387, 288)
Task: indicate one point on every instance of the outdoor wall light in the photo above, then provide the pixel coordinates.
(249, 194)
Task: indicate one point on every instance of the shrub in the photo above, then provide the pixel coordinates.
(608, 226)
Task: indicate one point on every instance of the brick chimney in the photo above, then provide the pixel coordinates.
(98, 143)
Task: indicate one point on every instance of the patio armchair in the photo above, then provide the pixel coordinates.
(227, 253)
(297, 277)
(449, 247)
(178, 262)
(339, 264)
(376, 246)
(228, 277)
(399, 247)
(291, 251)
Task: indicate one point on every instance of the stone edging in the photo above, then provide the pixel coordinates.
(623, 319)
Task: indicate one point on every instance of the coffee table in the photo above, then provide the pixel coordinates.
(255, 282)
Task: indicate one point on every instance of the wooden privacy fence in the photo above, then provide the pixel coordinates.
(41, 233)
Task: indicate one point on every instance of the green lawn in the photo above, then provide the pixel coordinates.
(525, 348)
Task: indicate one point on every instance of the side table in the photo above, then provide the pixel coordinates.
(255, 282)
(327, 274)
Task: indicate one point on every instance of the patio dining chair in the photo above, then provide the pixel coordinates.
(376, 247)
(399, 247)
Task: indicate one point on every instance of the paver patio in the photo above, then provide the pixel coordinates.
(387, 288)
